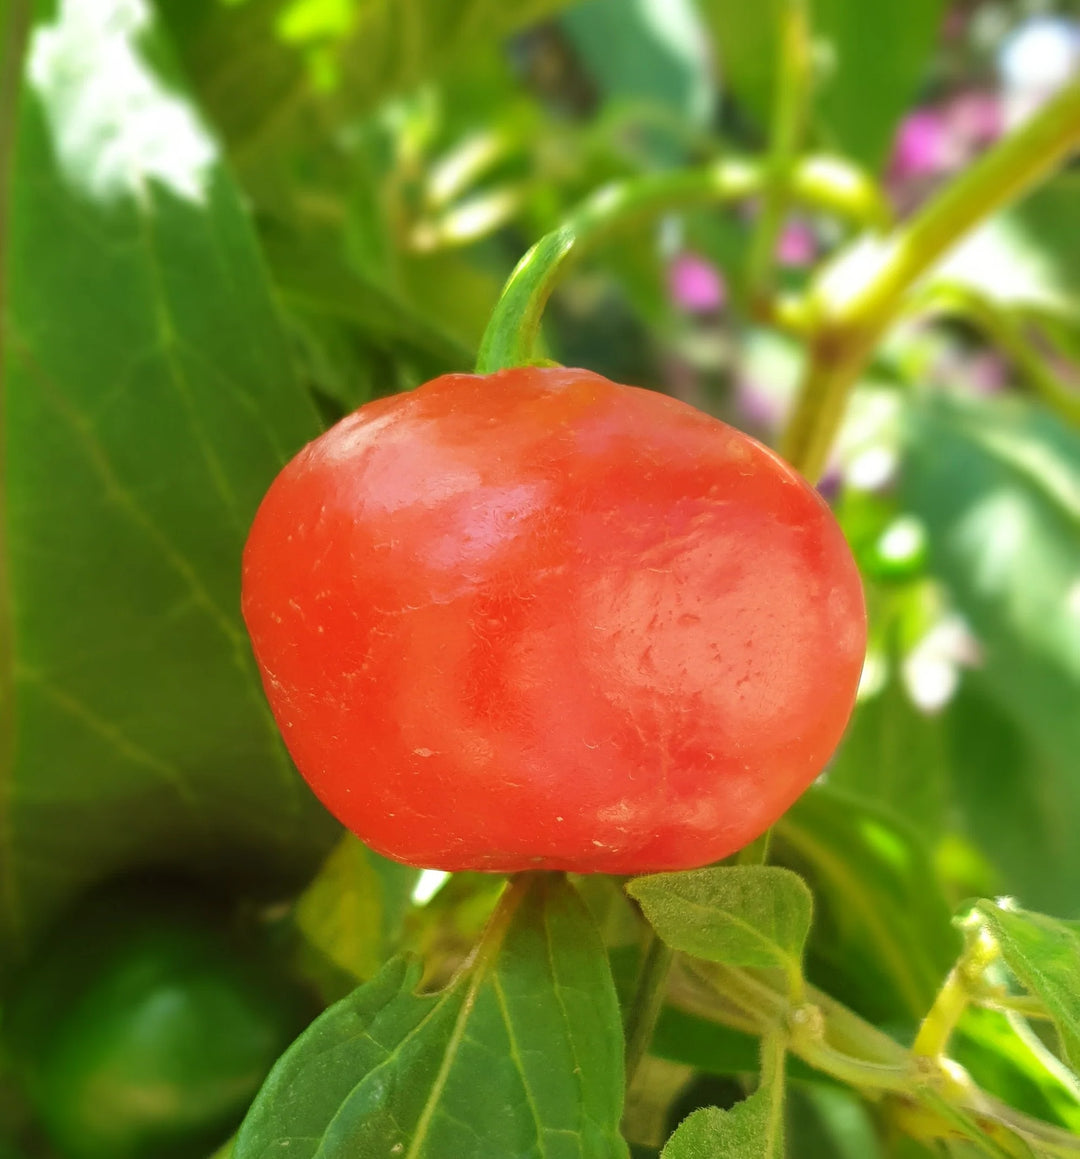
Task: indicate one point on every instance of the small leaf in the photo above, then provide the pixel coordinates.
(348, 913)
(521, 1055)
(752, 1129)
(1044, 954)
(739, 915)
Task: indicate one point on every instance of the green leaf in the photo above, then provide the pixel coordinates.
(388, 1071)
(997, 485)
(244, 75)
(862, 92)
(704, 1045)
(738, 915)
(752, 1129)
(1007, 797)
(1027, 257)
(1044, 954)
(1006, 1057)
(267, 70)
(896, 757)
(357, 341)
(351, 913)
(825, 1122)
(149, 402)
(966, 1127)
(713, 1048)
(883, 937)
(649, 54)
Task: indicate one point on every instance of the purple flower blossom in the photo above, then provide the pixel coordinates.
(696, 285)
(797, 245)
(922, 147)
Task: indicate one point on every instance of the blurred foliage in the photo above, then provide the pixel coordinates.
(225, 223)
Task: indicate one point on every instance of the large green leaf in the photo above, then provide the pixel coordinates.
(997, 485)
(148, 403)
(867, 87)
(873, 59)
(356, 340)
(521, 1055)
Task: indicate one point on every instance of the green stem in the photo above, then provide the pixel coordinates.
(937, 1027)
(854, 299)
(1007, 333)
(649, 995)
(785, 139)
(836, 1041)
(757, 852)
(1022, 1004)
(964, 981)
(514, 328)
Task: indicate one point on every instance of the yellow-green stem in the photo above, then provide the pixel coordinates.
(785, 139)
(854, 299)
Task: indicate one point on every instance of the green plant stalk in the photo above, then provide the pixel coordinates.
(833, 1039)
(757, 852)
(649, 994)
(514, 328)
(1008, 335)
(936, 1029)
(785, 140)
(855, 298)
(963, 983)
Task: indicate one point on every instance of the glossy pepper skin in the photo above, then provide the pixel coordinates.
(541, 620)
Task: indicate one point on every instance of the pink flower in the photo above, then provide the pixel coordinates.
(976, 118)
(797, 245)
(696, 285)
(922, 147)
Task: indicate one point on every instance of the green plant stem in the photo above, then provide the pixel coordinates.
(855, 298)
(1024, 1005)
(936, 1029)
(785, 140)
(835, 1040)
(964, 981)
(512, 332)
(757, 852)
(649, 995)
(514, 328)
(1007, 333)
